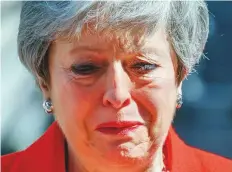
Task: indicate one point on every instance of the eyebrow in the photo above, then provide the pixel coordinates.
(143, 51)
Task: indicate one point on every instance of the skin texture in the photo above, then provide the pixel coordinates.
(93, 81)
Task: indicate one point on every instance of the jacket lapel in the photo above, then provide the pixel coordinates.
(46, 154)
(182, 157)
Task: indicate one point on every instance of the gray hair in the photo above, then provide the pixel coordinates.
(41, 23)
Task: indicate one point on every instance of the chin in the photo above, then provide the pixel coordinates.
(128, 154)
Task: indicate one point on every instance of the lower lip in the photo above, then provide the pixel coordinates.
(117, 131)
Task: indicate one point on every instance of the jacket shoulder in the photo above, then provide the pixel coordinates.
(213, 163)
(46, 154)
(8, 161)
(191, 159)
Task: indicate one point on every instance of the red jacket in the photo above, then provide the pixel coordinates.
(47, 155)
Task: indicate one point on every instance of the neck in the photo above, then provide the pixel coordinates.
(157, 163)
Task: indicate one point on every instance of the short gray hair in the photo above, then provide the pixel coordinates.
(41, 22)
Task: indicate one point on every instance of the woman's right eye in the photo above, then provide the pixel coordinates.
(84, 69)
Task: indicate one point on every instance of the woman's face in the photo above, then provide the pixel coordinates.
(114, 102)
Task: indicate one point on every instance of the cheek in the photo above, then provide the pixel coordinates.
(158, 100)
(166, 102)
(72, 104)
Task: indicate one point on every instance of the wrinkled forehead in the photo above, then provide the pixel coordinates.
(121, 45)
(138, 39)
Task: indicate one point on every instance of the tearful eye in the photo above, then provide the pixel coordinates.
(84, 69)
(144, 67)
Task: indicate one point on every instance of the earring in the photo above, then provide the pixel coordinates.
(48, 107)
(179, 101)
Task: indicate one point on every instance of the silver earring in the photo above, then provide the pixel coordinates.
(48, 107)
(179, 101)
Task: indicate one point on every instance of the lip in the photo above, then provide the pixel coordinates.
(118, 128)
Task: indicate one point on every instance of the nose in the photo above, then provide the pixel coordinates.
(117, 93)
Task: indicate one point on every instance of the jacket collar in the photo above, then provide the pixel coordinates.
(47, 154)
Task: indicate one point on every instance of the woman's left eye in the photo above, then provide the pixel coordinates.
(144, 67)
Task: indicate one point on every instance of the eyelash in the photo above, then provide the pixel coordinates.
(88, 69)
(84, 69)
(143, 66)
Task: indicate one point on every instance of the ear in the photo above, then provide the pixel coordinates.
(183, 75)
(179, 88)
(44, 87)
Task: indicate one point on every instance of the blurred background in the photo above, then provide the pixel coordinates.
(204, 121)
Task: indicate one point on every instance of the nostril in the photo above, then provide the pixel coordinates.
(126, 102)
(107, 103)
(116, 102)
(116, 98)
